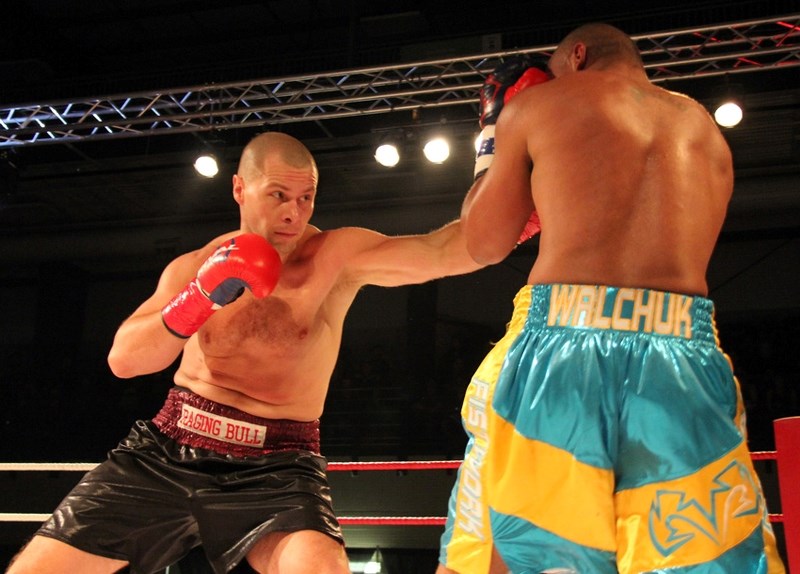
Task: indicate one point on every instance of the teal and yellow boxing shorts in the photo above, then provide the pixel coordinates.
(606, 434)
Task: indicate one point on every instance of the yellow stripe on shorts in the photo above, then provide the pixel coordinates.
(550, 488)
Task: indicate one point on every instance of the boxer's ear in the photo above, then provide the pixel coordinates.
(579, 55)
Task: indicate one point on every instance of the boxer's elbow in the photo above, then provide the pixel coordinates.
(484, 252)
(120, 365)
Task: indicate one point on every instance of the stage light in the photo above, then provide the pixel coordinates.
(387, 154)
(437, 150)
(728, 114)
(729, 111)
(375, 564)
(206, 165)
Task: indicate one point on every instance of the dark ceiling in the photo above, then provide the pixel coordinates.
(136, 195)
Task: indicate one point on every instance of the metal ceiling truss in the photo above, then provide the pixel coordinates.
(750, 46)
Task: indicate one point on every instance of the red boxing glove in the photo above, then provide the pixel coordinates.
(494, 92)
(246, 261)
(531, 228)
(532, 77)
(508, 79)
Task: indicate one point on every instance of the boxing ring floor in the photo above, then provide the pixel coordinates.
(392, 504)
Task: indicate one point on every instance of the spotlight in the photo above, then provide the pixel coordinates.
(206, 165)
(387, 154)
(728, 114)
(374, 566)
(437, 150)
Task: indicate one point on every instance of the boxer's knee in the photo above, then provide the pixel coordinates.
(292, 552)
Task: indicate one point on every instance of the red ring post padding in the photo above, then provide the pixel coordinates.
(787, 443)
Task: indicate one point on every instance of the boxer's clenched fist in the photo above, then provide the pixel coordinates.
(246, 261)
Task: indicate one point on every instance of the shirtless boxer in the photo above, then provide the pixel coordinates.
(606, 429)
(232, 459)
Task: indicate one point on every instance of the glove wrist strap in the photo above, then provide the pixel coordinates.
(187, 311)
(485, 154)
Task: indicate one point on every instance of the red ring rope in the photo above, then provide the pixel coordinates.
(392, 520)
(402, 465)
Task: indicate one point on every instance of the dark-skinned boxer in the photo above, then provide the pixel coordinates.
(606, 428)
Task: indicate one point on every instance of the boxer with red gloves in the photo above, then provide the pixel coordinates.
(245, 261)
(231, 462)
(509, 78)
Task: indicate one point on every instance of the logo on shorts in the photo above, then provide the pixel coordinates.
(221, 428)
(676, 518)
(470, 515)
(623, 309)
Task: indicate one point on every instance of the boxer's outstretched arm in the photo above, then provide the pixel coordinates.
(390, 261)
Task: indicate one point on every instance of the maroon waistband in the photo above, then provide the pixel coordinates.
(198, 422)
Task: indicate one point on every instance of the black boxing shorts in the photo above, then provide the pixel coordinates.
(199, 473)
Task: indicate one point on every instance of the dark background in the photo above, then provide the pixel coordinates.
(85, 229)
